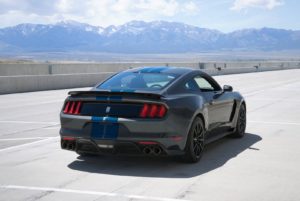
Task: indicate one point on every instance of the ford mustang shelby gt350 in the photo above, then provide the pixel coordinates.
(152, 111)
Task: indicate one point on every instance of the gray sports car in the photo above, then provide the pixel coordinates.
(152, 111)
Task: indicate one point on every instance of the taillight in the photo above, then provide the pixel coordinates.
(72, 107)
(144, 111)
(153, 111)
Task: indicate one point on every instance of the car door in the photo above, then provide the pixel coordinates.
(219, 104)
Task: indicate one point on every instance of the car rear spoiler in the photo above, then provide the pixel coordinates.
(138, 94)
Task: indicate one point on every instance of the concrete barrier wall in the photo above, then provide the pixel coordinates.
(14, 84)
(46, 76)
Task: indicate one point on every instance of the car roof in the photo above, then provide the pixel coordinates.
(162, 69)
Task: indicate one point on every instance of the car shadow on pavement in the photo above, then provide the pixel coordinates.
(215, 155)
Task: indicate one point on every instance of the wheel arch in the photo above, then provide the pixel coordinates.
(243, 102)
(200, 115)
(237, 110)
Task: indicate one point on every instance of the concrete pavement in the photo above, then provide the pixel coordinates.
(264, 165)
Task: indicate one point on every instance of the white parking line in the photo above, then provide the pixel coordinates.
(27, 144)
(273, 122)
(25, 138)
(30, 122)
(46, 189)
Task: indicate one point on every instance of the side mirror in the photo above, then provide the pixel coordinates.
(227, 88)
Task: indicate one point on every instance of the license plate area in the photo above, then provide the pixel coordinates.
(104, 130)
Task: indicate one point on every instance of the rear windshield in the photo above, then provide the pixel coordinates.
(138, 81)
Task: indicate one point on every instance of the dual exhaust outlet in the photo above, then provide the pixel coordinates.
(152, 150)
(68, 144)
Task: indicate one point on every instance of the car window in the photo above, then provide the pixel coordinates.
(137, 81)
(203, 84)
(192, 85)
(200, 83)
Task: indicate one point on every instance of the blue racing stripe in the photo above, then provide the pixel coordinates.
(105, 119)
(111, 131)
(111, 119)
(104, 128)
(158, 69)
(115, 98)
(153, 69)
(97, 130)
(106, 98)
(122, 90)
(97, 119)
(103, 98)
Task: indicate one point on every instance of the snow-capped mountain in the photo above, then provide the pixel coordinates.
(141, 37)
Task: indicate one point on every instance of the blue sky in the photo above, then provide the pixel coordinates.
(224, 15)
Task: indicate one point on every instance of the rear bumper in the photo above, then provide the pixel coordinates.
(108, 147)
(106, 135)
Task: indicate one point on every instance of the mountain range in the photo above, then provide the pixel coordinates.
(141, 37)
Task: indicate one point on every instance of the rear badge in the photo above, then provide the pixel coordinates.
(105, 146)
(107, 109)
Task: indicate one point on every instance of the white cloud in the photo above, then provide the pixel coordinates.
(191, 7)
(17, 17)
(64, 5)
(96, 12)
(265, 4)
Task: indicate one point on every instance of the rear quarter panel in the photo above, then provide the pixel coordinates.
(183, 109)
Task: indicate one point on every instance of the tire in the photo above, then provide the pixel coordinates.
(241, 123)
(195, 142)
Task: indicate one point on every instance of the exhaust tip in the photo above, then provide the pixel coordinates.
(147, 150)
(63, 145)
(70, 146)
(157, 150)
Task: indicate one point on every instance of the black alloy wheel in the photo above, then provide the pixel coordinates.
(241, 123)
(195, 142)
